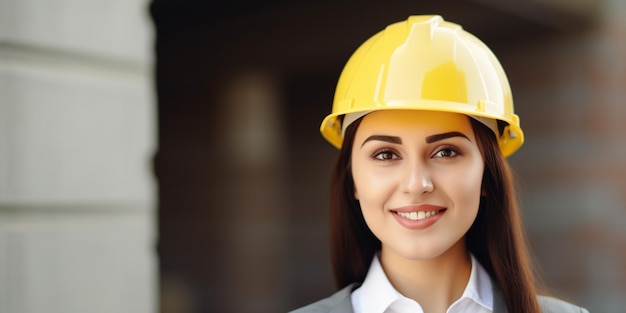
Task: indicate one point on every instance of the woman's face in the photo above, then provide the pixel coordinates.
(417, 176)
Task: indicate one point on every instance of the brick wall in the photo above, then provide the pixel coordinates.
(569, 91)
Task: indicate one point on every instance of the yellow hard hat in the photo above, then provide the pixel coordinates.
(425, 63)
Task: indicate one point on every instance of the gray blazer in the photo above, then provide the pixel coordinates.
(341, 302)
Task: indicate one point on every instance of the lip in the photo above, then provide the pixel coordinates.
(418, 224)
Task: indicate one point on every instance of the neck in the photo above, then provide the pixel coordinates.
(434, 283)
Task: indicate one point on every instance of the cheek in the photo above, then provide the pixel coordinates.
(468, 190)
(370, 181)
(462, 185)
(361, 181)
(364, 187)
(372, 192)
(371, 188)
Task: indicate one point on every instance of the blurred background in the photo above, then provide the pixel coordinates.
(164, 156)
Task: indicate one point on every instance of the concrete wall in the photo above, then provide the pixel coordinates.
(77, 133)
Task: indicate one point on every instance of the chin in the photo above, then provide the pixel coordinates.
(422, 253)
(428, 252)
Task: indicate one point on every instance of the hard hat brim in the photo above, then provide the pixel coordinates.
(509, 140)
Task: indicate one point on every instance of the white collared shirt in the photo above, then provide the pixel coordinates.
(377, 295)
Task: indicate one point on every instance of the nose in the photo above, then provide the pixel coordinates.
(417, 180)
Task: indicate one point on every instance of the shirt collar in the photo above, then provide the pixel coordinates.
(376, 293)
(479, 287)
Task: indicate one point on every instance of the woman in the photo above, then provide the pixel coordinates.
(423, 211)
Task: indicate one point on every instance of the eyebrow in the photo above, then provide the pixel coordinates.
(429, 139)
(390, 139)
(438, 137)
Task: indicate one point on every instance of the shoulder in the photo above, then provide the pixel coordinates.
(339, 302)
(553, 305)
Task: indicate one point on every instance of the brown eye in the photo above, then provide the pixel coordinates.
(446, 153)
(385, 155)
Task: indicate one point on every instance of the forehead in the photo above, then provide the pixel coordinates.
(415, 121)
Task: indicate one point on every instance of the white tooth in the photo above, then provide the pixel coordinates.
(414, 216)
(428, 214)
(421, 215)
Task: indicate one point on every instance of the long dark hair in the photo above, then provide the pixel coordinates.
(496, 238)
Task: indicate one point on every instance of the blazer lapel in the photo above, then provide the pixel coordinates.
(498, 300)
(341, 302)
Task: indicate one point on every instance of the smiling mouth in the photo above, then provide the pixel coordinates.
(419, 215)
